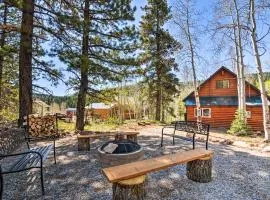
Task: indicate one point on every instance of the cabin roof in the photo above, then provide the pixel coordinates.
(71, 109)
(98, 106)
(229, 71)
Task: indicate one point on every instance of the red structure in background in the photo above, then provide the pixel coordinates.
(101, 111)
(219, 101)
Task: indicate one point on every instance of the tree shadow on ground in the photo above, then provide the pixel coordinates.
(237, 174)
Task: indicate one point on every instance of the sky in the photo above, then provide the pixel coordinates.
(210, 63)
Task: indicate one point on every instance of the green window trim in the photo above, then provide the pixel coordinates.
(222, 84)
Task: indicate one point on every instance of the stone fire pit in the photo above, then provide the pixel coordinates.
(119, 152)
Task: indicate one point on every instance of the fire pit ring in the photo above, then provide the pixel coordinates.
(126, 151)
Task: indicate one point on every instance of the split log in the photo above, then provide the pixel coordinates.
(200, 170)
(131, 189)
(42, 126)
(141, 124)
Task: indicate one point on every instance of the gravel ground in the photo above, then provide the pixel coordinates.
(238, 173)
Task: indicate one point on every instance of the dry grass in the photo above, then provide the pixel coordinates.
(101, 126)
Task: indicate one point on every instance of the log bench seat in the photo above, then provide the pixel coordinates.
(129, 179)
(85, 137)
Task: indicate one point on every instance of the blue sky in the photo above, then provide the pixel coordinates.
(204, 69)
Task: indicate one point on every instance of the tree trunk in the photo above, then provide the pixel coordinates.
(2, 44)
(158, 103)
(237, 68)
(163, 114)
(132, 189)
(242, 97)
(84, 70)
(25, 60)
(158, 71)
(266, 120)
(196, 92)
(200, 170)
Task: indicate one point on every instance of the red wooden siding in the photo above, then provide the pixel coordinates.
(209, 87)
(102, 114)
(222, 116)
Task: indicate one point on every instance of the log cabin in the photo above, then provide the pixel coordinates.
(219, 101)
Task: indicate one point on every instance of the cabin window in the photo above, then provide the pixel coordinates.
(222, 84)
(204, 112)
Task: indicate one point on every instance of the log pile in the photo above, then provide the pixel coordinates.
(42, 125)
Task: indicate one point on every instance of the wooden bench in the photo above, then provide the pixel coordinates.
(127, 177)
(33, 158)
(192, 127)
(84, 138)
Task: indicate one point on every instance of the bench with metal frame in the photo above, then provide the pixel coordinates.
(30, 159)
(191, 127)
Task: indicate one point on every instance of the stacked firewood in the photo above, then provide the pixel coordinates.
(41, 125)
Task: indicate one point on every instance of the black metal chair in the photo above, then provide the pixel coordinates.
(191, 127)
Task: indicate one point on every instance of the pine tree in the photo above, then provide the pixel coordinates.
(107, 43)
(35, 30)
(8, 62)
(158, 50)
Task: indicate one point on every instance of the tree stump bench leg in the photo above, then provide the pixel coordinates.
(132, 138)
(200, 170)
(83, 144)
(131, 189)
(119, 137)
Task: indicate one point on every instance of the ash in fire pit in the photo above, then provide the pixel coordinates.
(119, 152)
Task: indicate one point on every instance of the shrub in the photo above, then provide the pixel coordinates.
(239, 125)
(113, 120)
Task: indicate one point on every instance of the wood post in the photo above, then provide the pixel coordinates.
(119, 137)
(132, 138)
(200, 170)
(131, 189)
(83, 144)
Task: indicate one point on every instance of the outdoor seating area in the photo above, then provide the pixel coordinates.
(134, 100)
(80, 175)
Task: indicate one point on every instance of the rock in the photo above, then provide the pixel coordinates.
(214, 140)
(240, 144)
(254, 145)
(266, 149)
(258, 133)
(200, 139)
(226, 142)
(166, 152)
